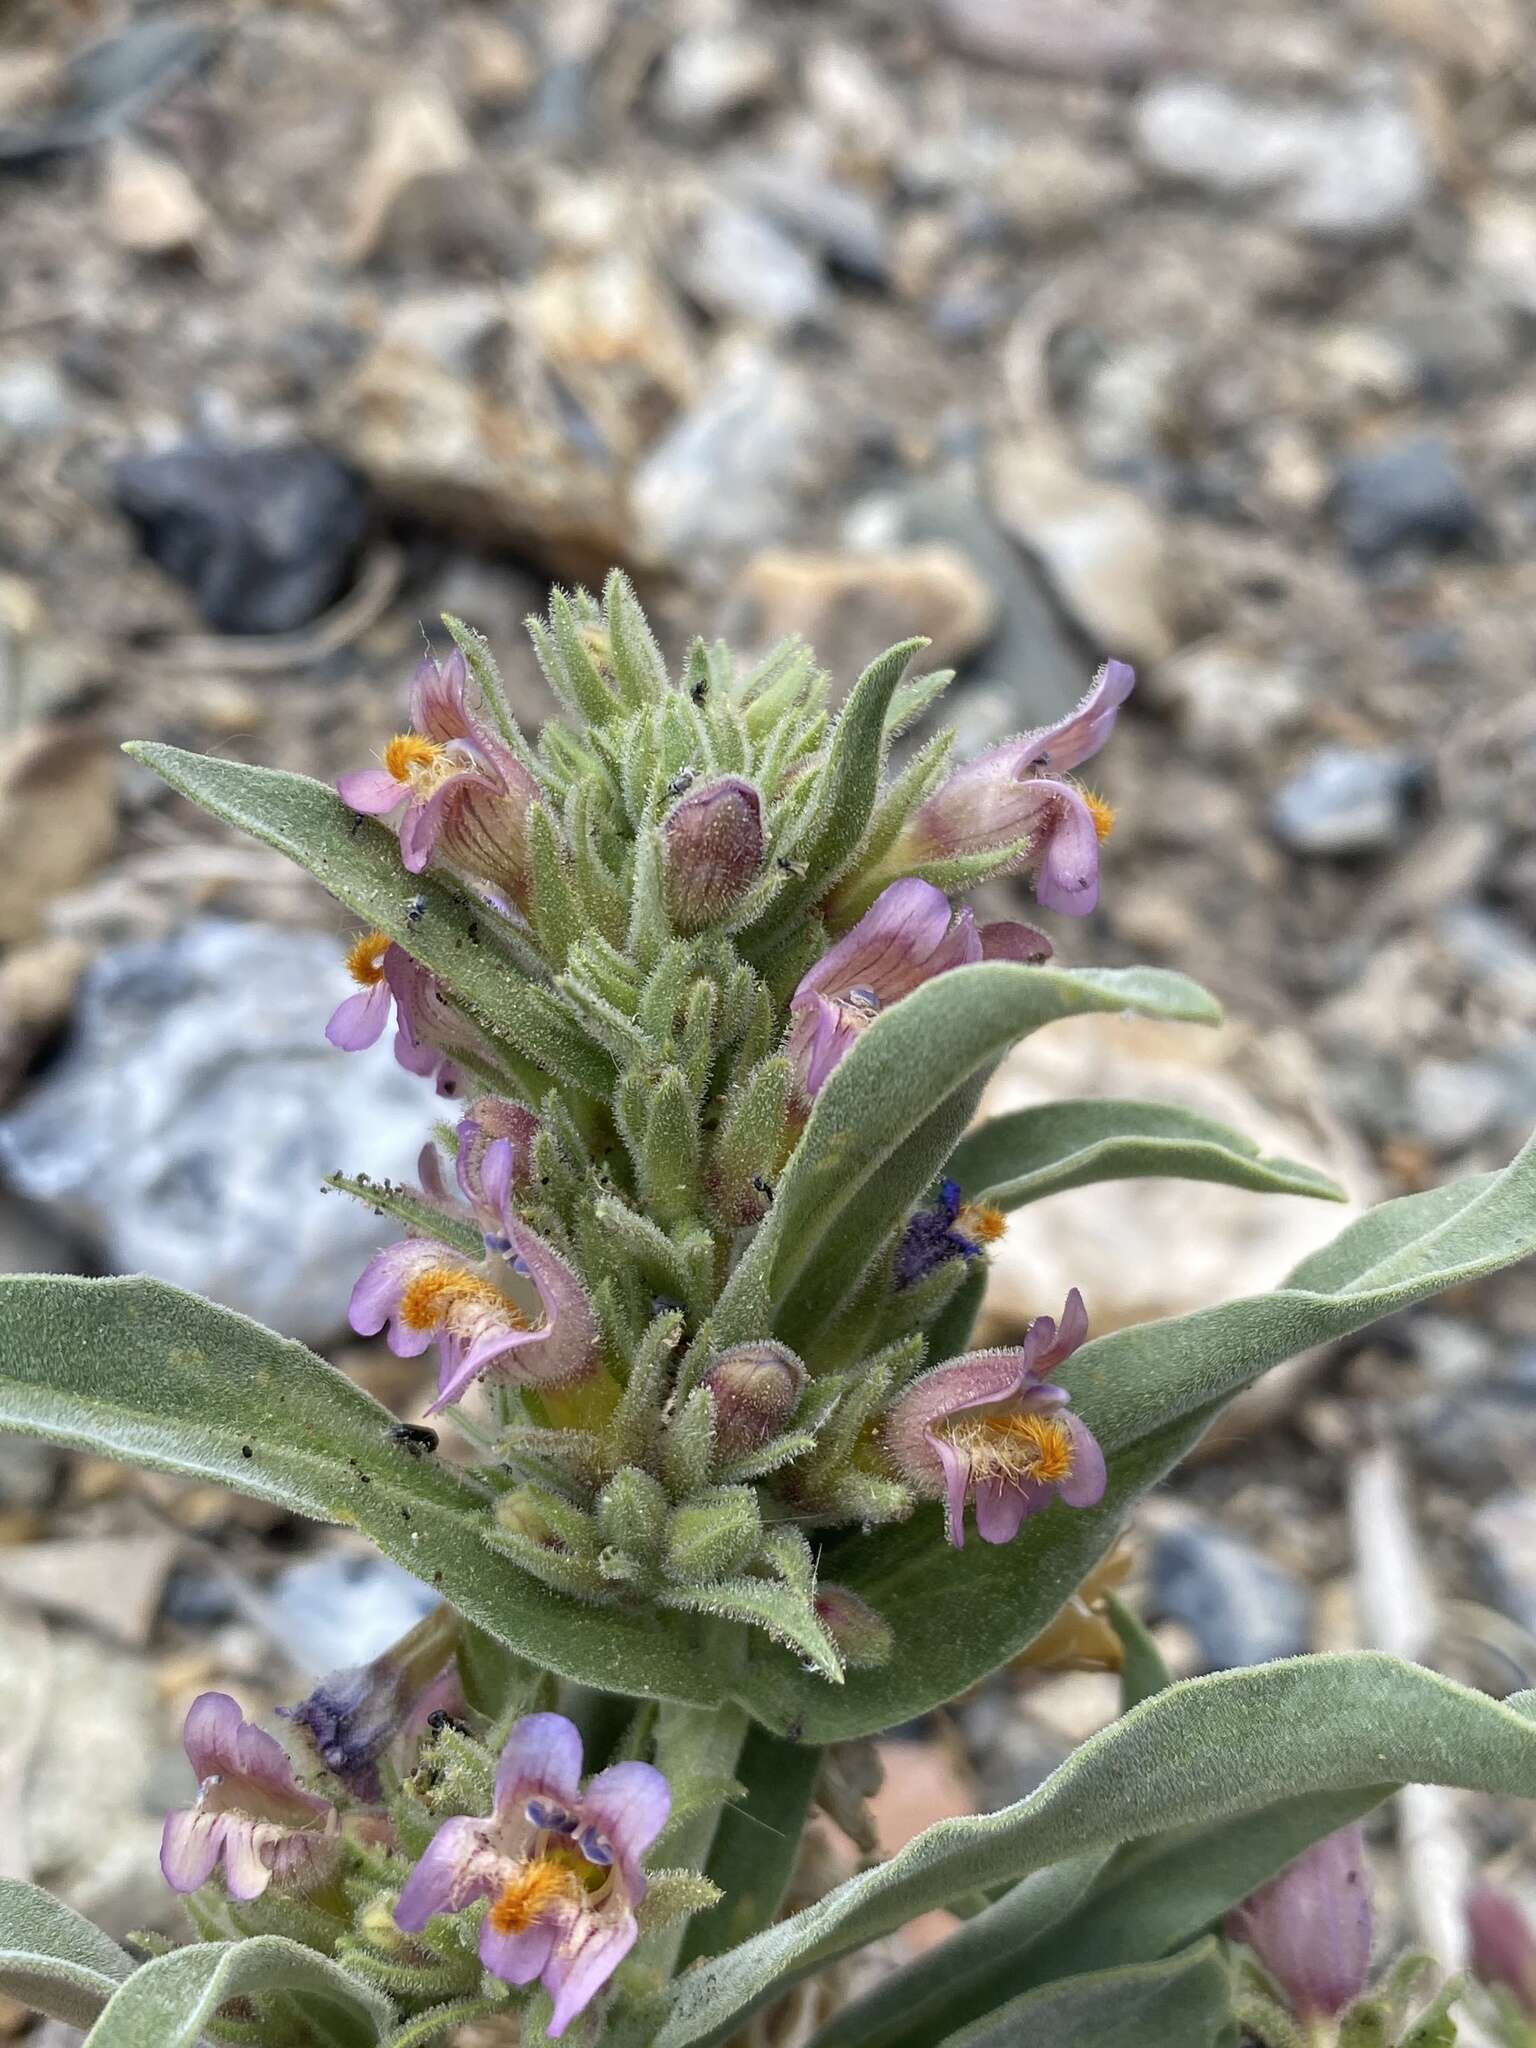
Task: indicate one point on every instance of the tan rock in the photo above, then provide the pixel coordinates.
(1101, 545)
(37, 987)
(149, 204)
(27, 77)
(415, 132)
(111, 1583)
(1145, 1248)
(850, 606)
(500, 69)
(617, 339)
(58, 819)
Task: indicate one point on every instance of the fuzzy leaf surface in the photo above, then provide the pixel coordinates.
(53, 1960)
(168, 2002)
(1205, 1751)
(1150, 2005)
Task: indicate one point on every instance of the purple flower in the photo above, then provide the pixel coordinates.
(1311, 1926)
(1013, 794)
(990, 1428)
(1503, 1945)
(907, 936)
(712, 851)
(427, 1293)
(250, 1814)
(459, 784)
(428, 1030)
(559, 1865)
(950, 1229)
(353, 1716)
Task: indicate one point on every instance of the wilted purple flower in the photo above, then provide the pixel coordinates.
(353, 1716)
(429, 1294)
(712, 851)
(559, 1865)
(1311, 1926)
(989, 1427)
(459, 784)
(492, 1163)
(429, 1031)
(1503, 1945)
(950, 1229)
(756, 1389)
(1013, 793)
(250, 1814)
(907, 936)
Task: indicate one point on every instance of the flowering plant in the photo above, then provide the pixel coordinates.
(697, 1256)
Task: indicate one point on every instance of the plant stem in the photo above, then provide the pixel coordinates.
(700, 1745)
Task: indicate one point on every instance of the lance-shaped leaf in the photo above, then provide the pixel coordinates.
(756, 1844)
(52, 1960)
(1151, 2005)
(1018, 1158)
(1147, 1393)
(911, 1071)
(137, 1370)
(169, 2002)
(1200, 1753)
(462, 942)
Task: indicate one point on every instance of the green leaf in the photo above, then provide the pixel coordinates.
(1151, 2005)
(909, 1072)
(358, 861)
(168, 2002)
(757, 1843)
(137, 1370)
(52, 1960)
(1203, 1752)
(1142, 1671)
(1018, 1158)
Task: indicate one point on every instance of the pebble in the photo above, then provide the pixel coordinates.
(844, 225)
(341, 1611)
(1239, 1605)
(29, 1472)
(1502, 1536)
(150, 206)
(738, 265)
(1347, 801)
(189, 1123)
(727, 476)
(1229, 699)
(849, 606)
(1408, 494)
(415, 131)
(1347, 173)
(1453, 1103)
(1087, 39)
(58, 822)
(711, 77)
(33, 400)
(264, 538)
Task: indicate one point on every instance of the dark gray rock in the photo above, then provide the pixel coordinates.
(264, 538)
(1240, 1607)
(1410, 494)
(1346, 800)
(189, 1123)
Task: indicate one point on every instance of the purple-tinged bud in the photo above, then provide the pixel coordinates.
(353, 1716)
(1503, 1945)
(712, 851)
(1311, 1926)
(862, 1638)
(756, 1389)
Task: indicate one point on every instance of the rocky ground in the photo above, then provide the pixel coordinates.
(1200, 334)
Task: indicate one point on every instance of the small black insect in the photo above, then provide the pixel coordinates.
(764, 1187)
(356, 825)
(790, 867)
(472, 931)
(681, 782)
(246, 1451)
(700, 690)
(414, 1437)
(415, 911)
(440, 1718)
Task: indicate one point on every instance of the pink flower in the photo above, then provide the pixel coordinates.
(1311, 1926)
(1503, 1945)
(428, 1030)
(907, 936)
(559, 1865)
(989, 1427)
(471, 1310)
(1013, 793)
(458, 783)
(250, 1815)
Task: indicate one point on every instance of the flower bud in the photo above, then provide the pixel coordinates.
(756, 1389)
(632, 1512)
(862, 1638)
(1311, 1926)
(1503, 1945)
(712, 851)
(714, 1534)
(353, 1716)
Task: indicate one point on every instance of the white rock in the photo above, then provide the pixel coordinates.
(151, 206)
(416, 130)
(712, 74)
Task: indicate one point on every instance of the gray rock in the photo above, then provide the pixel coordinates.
(28, 1472)
(738, 265)
(189, 1123)
(1502, 1535)
(1088, 39)
(708, 77)
(1346, 801)
(843, 225)
(339, 1611)
(727, 475)
(1240, 1607)
(264, 538)
(33, 401)
(1341, 173)
(1410, 494)
(1453, 1103)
